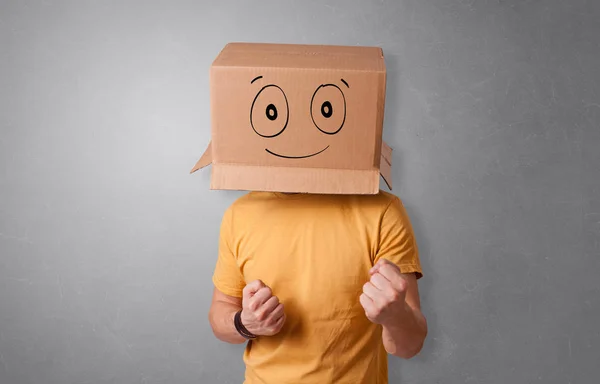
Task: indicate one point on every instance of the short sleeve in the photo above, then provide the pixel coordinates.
(397, 241)
(227, 276)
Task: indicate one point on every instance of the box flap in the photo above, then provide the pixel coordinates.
(205, 160)
(385, 166)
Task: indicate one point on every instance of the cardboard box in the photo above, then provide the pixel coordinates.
(298, 118)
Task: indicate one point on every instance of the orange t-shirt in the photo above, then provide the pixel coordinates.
(315, 252)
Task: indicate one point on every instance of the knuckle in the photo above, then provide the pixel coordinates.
(260, 315)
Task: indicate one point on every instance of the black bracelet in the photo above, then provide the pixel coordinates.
(237, 322)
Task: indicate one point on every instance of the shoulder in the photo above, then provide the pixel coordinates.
(250, 200)
(384, 208)
(379, 202)
(387, 198)
(247, 204)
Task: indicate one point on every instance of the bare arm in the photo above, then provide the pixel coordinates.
(222, 309)
(391, 298)
(404, 336)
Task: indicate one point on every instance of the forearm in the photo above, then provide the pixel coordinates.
(221, 320)
(405, 337)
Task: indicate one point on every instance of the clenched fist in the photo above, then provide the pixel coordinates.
(262, 313)
(383, 297)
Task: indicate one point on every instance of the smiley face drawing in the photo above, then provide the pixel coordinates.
(292, 115)
(327, 112)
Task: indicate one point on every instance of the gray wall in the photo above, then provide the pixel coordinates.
(107, 244)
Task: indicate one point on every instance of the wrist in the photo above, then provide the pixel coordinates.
(404, 316)
(240, 328)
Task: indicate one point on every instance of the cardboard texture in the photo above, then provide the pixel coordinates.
(298, 118)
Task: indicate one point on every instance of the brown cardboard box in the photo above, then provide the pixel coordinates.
(298, 118)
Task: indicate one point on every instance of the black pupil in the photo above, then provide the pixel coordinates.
(271, 112)
(326, 109)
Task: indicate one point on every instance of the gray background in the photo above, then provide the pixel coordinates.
(107, 244)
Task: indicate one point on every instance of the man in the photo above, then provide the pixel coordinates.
(323, 287)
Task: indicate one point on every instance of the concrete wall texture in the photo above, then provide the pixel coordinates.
(107, 244)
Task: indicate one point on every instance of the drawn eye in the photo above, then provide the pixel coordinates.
(328, 109)
(269, 113)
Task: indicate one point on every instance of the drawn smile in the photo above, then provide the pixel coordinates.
(296, 157)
